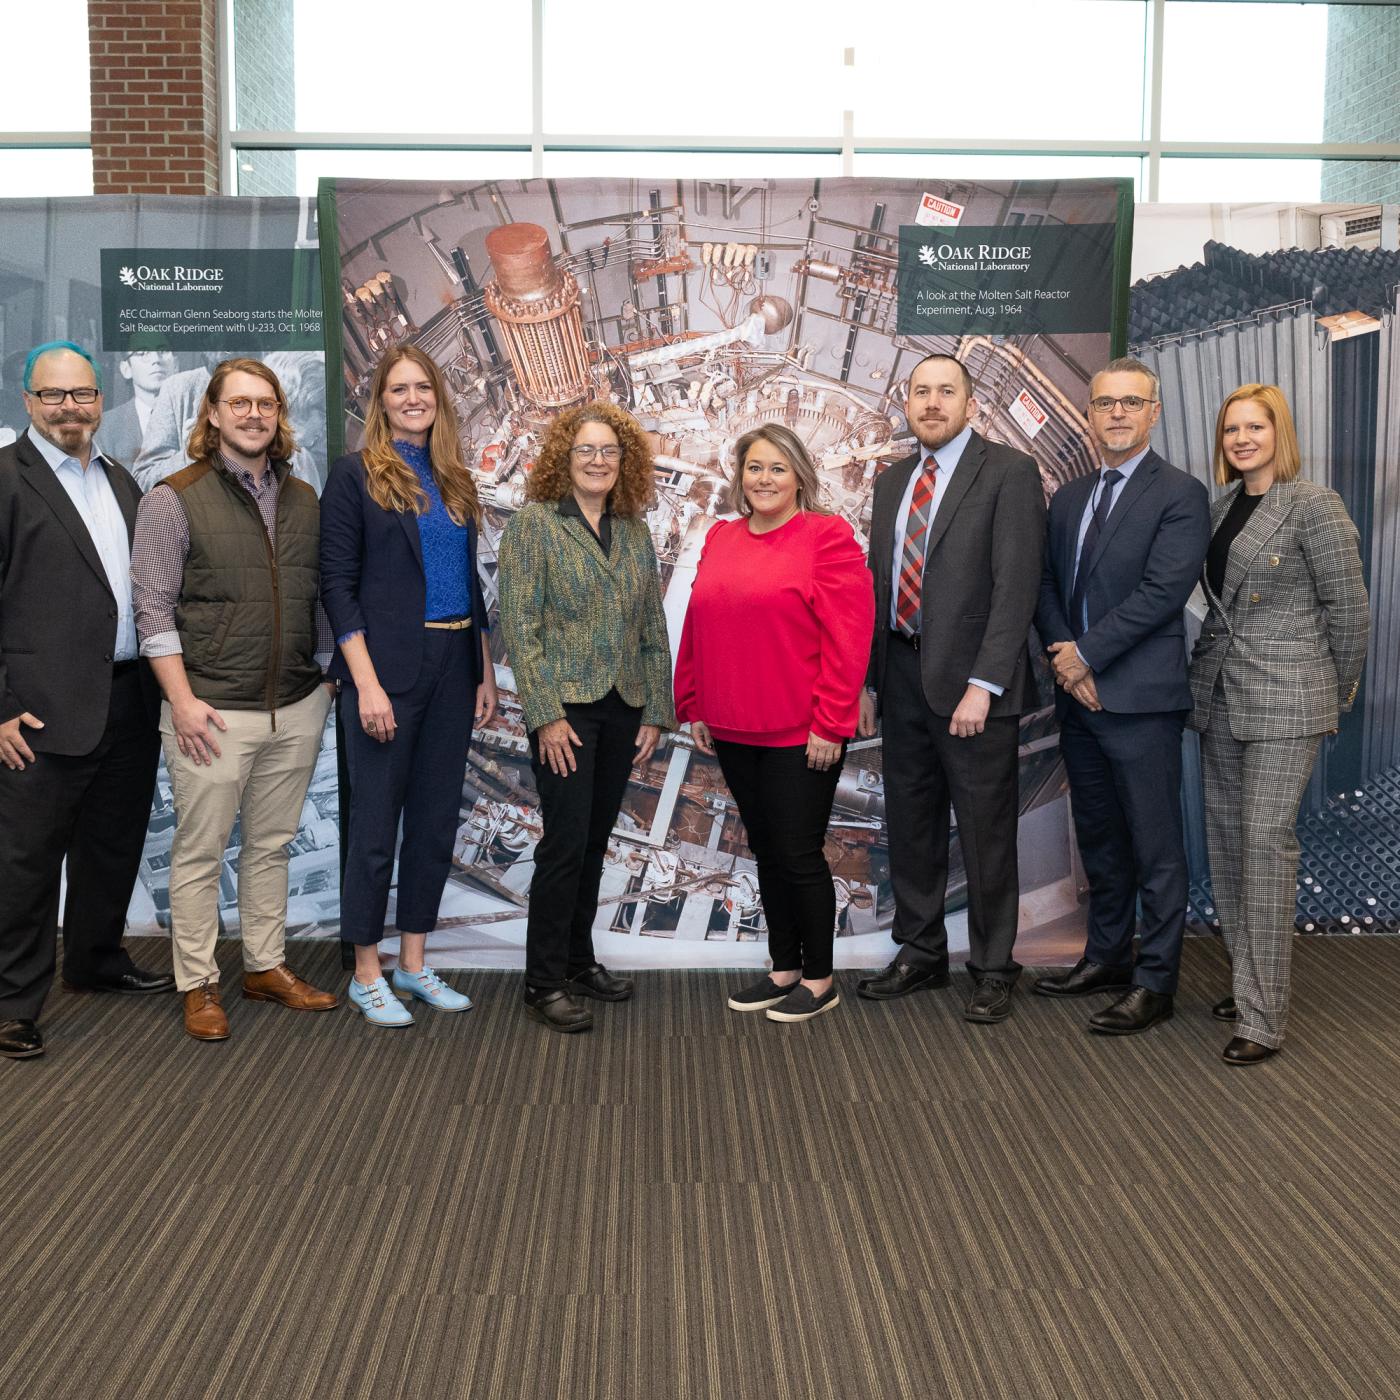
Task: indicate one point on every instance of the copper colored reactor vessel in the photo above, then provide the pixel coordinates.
(536, 304)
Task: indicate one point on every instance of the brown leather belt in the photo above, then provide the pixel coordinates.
(457, 624)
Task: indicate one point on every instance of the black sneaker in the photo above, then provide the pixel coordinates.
(760, 996)
(801, 1005)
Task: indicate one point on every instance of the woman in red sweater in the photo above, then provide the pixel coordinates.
(772, 660)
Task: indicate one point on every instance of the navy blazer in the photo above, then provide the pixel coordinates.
(372, 579)
(1142, 571)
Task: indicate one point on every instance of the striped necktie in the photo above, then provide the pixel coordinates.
(909, 607)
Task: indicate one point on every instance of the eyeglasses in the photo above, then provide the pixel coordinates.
(1132, 403)
(54, 397)
(586, 452)
(241, 407)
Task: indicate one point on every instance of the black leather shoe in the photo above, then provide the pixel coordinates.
(1084, 979)
(901, 978)
(597, 982)
(1247, 1052)
(555, 1008)
(1225, 1010)
(20, 1040)
(1140, 1010)
(991, 1001)
(137, 982)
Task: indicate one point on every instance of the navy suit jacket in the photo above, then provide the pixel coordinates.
(372, 579)
(1143, 568)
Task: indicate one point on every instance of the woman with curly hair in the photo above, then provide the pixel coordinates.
(581, 615)
(399, 523)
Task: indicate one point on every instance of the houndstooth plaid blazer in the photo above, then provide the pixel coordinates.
(1287, 636)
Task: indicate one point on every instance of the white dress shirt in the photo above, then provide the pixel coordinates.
(96, 503)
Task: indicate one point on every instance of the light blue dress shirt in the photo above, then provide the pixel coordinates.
(948, 456)
(1127, 470)
(96, 503)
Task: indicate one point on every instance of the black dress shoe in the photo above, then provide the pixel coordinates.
(1084, 979)
(555, 1008)
(990, 1002)
(597, 982)
(137, 982)
(20, 1040)
(901, 978)
(1225, 1010)
(1247, 1052)
(1140, 1010)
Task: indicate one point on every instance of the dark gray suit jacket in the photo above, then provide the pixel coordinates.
(58, 618)
(981, 575)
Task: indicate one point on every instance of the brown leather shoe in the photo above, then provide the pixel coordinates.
(204, 1017)
(281, 984)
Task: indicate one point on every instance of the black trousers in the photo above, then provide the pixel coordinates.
(92, 810)
(579, 811)
(926, 768)
(418, 776)
(786, 809)
(1125, 787)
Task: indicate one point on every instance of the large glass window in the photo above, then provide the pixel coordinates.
(26, 172)
(1277, 97)
(45, 91)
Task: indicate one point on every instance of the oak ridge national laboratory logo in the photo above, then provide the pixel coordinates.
(176, 278)
(128, 277)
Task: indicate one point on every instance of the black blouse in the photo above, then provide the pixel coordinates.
(1218, 555)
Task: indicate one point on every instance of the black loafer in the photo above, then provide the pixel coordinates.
(1225, 1010)
(1084, 979)
(990, 1002)
(800, 1005)
(555, 1008)
(137, 982)
(597, 982)
(901, 978)
(1139, 1011)
(1247, 1052)
(20, 1040)
(759, 996)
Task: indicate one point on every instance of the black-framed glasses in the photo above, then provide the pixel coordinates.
(53, 397)
(586, 452)
(242, 407)
(1132, 403)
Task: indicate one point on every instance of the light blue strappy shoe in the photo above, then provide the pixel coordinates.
(429, 987)
(378, 1004)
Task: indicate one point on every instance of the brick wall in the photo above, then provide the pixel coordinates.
(1362, 101)
(155, 111)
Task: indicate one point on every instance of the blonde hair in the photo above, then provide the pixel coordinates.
(1269, 397)
(204, 442)
(392, 484)
(809, 488)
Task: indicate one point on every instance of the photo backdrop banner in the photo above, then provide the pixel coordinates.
(160, 289)
(707, 308)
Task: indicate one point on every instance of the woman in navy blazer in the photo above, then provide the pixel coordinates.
(399, 522)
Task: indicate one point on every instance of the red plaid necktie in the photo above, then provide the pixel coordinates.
(911, 564)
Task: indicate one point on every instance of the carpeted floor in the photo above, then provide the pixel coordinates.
(689, 1204)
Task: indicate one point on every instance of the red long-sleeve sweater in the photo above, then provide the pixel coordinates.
(777, 636)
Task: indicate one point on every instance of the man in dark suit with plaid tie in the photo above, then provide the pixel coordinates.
(956, 534)
(1125, 549)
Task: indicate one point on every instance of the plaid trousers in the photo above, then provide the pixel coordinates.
(1252, 791)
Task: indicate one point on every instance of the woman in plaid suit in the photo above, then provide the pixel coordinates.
(581, 615)
(1278, 660)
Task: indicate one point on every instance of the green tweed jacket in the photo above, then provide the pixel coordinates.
(576, 622)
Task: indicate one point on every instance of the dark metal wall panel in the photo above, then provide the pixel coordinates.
(1283, 346)
(1381, 745)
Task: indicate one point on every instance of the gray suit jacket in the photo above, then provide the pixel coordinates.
(981, 575)
(1287, 636)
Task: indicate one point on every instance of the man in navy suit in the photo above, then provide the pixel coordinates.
(1125, 547)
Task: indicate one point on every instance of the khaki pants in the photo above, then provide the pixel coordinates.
(262, 775)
